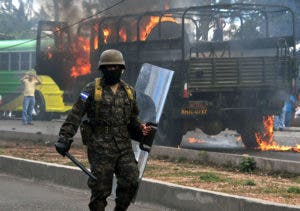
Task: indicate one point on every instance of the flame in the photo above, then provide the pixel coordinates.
(96, 41)
(106, 33)
(194, 140)
(49, 54)
(239, 139)
(122, 34)
(167, 5)
(266, 140)
(81, 52)
(152, 23)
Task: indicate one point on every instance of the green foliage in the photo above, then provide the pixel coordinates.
(248, 183)
(247, 164)
(203, 156)
(293, 189)
(16, 22)
(210, 177)
(297, 179)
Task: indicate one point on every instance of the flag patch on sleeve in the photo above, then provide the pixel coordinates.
(84, 96)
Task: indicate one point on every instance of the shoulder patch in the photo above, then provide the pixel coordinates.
(84, 96)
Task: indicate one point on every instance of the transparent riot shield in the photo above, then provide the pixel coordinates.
(152, 87)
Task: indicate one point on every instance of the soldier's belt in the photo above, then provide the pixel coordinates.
(110, 129)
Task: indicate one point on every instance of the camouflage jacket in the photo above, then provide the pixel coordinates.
(110, 118)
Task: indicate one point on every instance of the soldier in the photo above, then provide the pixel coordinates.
(111, 111)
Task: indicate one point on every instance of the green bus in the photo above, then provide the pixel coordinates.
(17, 57)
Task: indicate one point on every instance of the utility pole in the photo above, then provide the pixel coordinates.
(56, 12)
(29, 7)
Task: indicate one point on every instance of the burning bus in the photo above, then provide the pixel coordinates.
(233, 63)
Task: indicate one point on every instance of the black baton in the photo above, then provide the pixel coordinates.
(77, 163)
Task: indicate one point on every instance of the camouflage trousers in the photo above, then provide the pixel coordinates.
(103, 165)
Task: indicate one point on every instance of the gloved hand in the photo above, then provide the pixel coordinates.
(63, 145)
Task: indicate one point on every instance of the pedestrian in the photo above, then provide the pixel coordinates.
(30, 81)
(111, 111)
(288, 110)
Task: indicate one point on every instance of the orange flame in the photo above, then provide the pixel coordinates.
(122, 34)
(106, 33)
(266, 140)
(167, 5)
(81, 51)
(152, 23)
(96, 41)
(239, 139)
(194, 140)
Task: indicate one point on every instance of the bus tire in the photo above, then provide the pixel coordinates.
(40, 107)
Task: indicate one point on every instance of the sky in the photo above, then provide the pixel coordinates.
(36, 4)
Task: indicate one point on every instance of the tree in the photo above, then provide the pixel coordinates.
(14, 21)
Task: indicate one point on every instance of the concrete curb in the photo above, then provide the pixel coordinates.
(175, 197)
(227, 159)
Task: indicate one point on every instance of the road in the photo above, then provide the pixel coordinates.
(23, 194)
(288, 138)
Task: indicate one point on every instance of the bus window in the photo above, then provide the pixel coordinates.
(170, 27)
(25, 61)
(15, 61)
(33, 60)
(4, 61)
(146, 26)
(128, 29)
(108, 33)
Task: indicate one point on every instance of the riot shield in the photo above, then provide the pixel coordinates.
(152, 87)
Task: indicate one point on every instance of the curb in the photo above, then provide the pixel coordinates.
(175, 197)
(226, 159)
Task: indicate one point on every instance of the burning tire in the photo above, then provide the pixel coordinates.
(251, 126)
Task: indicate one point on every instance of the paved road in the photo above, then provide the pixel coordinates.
(291, 137)
(22, 194)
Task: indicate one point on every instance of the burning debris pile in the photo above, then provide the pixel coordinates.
(225, 140)
(266, 141)
(231, 140)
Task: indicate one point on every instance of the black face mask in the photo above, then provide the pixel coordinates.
(111, 77)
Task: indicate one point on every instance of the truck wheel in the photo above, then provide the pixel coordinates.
(248, 129)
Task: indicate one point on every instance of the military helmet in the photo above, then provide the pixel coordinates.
(111, 57)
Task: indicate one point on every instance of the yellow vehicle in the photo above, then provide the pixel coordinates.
(16, 57)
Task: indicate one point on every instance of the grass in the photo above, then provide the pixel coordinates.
(248, 183)
(293, 190)
(210, 177)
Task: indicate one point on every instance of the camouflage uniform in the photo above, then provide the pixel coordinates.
(108, 146)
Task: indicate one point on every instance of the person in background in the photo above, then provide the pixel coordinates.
(30, 81)
(288, 110)
(279, 121)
